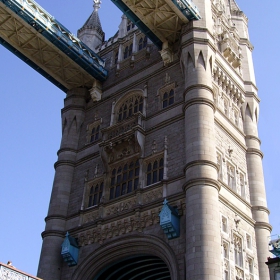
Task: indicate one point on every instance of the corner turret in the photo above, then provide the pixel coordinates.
(91, 33)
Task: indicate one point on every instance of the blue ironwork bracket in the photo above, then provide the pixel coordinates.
(169, 220)
(70, 250)
(61, 37)
(188, 9)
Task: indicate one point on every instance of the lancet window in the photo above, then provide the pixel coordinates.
(95, 194)
(224, 224)
(127, 51)
(238, 251)
(131, 106)
(242, 186)
(168, 98)
(124, 178)
(230, 176)
(219, 163)
(94, 136)
(155, 171)
(116, 57)
(142, 43)
(251, 268)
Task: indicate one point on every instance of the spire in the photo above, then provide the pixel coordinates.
(91, 33)
(233, 6)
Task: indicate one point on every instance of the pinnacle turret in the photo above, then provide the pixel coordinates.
(91, 32)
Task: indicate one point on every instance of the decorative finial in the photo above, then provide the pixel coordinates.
(96, 5)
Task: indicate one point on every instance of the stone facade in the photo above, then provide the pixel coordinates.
(184, 130)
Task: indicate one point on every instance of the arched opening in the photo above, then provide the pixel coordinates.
(139, 267)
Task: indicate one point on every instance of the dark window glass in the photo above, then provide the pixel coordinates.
(125, 179)
(95, 194)
(155, 172)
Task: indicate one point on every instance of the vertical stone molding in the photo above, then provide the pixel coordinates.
(72, 119)
(203, 244)
(256, 182)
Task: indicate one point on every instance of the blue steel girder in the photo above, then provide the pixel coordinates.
(160, 20)
(29, 22)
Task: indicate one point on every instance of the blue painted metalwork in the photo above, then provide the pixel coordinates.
(188, 8)
(275, 247)
(33, 14)
(70, 250)
(126, 10)
(32, 64)
(170, 220)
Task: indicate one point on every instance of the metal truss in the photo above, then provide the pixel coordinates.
(47, 46)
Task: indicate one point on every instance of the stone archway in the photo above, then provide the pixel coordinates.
(141, 267)
(128, 247)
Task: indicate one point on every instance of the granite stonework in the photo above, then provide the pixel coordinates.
(198, 122)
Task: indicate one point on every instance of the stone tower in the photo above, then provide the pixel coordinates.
(177, 122)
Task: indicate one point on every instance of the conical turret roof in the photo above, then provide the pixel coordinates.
(233, 5)
(93, 22)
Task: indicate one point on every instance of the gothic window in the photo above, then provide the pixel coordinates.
(142, 43)
(95, 194)
(130, 50)
(219, 163)
(125, 54)
(226, 274)
(130, 26)
(168, 98)
(226, 107)
(238, 251)
(127, 51)
(230, 176)
(242, 185)
(124, 179)
(116, 57)
(248, 241)
(251, 268)
(130, 106)
(235, 114)
(94, 135)
(225, 250)
(154, 171)
(224, 224)
(93, 131)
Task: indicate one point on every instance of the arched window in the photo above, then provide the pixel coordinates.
(154, 171)
(116, 57)
(238, 251)
(125, 54)
(130, 50)
(168, 98)
(140, 44)
(94, 136)
(131, 106)
(95, 194)
(231, 177)
(124, 179)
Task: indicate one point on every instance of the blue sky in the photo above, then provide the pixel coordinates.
(30, 126)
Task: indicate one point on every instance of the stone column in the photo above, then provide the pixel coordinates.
(53, 236)
(256, 182)
(203, 241)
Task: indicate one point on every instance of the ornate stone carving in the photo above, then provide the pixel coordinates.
(152, 196)
(121, 207)
(138, 222)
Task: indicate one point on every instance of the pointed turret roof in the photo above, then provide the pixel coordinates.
(233, 5)
(93, 22)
